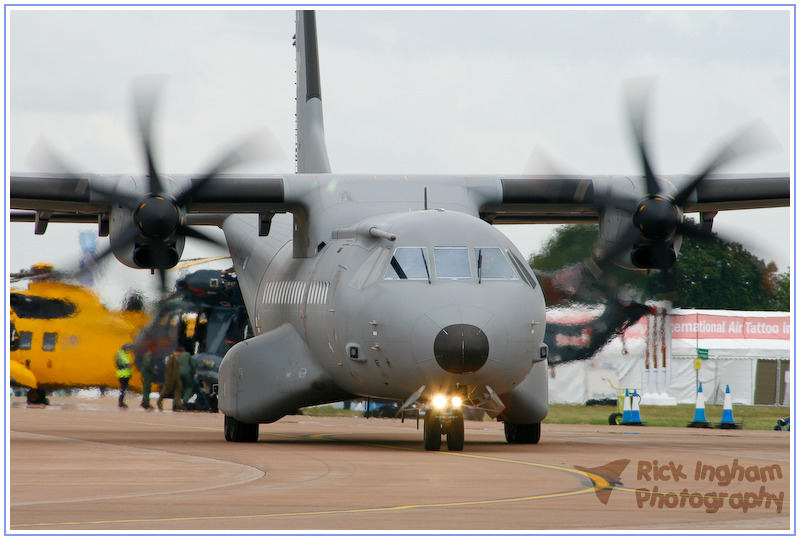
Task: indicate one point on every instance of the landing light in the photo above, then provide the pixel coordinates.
(440, 401)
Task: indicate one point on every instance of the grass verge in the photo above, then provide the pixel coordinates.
(751, 417)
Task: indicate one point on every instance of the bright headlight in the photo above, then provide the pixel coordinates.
(439, 401)
(456, 401)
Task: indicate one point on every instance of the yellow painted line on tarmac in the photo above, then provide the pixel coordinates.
(598, 483)
(316, 512)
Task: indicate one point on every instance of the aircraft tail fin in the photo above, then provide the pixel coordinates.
(312, 155)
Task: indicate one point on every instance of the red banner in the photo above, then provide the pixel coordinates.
(703, 326)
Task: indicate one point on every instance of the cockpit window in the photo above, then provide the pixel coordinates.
(37, 307)
(525, 274)
(452, 262)
(409, 263)
(493, 264)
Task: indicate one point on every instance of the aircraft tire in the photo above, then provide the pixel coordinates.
(432, 431)
(236, 431)
(523, 433)
(37, 397)
(455, 432)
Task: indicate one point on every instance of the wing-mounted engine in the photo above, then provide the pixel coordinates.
(144, 230)
(147, 222)
(645, 235)
(641, 218)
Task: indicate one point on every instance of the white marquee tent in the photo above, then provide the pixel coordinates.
(748, 351)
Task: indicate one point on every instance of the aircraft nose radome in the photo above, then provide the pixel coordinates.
(461, 348)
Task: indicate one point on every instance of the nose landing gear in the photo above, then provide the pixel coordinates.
(448, 422)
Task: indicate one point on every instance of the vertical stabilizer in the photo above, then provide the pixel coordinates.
(312, 156)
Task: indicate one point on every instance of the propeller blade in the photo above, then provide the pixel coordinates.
(598, 265)
(194, 233)
(162, 279)
(127, 236)
(756, 137)
(620, 203)
(687, 229)
(44, 157)
(249, 149)
(128, 201)
(638, 96)
(146, 93)
(543, 161)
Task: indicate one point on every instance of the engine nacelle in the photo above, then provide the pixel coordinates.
(655, 255)
(619, 226)
(151, 255)
(142, 252)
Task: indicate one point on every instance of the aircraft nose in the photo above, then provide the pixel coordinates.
(461, 348)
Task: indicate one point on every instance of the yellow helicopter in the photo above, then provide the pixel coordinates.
(62, 336)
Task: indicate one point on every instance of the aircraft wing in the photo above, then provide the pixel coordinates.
(55, 193)
(43, 198)
(740, 192)
(76, 194)
(520, 199)
(576, 198)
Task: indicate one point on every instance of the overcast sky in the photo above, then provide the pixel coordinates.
(411, 91)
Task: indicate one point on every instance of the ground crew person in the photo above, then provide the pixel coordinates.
(148, 373)
(185, 372)
(172, 384)
(124, 363)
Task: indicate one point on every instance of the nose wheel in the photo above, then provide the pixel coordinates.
(438, 423)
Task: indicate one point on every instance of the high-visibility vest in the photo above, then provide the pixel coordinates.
(124, 359)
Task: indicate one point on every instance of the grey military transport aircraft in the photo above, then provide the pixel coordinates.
(394, 287)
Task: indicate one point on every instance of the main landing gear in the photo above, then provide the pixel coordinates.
(523, 433)
(237, 431)
(37, 396)
(449, 422)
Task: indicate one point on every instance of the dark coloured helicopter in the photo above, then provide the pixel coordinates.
(206, 315)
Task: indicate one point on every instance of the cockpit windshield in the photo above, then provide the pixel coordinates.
(409, 263)
(452, 262)
(493, 264)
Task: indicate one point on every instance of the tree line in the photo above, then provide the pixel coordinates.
(708, 274)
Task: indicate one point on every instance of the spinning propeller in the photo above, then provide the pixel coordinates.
(157, 230)
(655, 210)
(657, 216)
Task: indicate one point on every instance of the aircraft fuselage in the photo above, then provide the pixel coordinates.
(394, 302)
